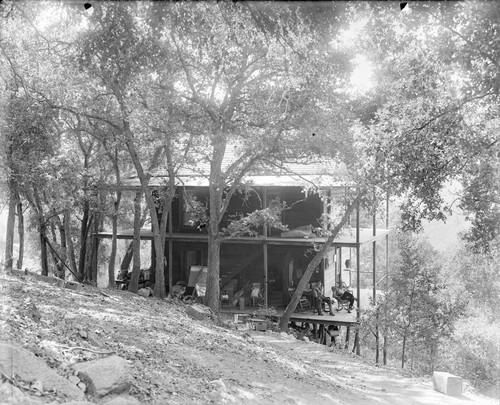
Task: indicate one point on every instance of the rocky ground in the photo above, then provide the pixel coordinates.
(59, 345)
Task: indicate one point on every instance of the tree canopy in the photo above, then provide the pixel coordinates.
(135, 89)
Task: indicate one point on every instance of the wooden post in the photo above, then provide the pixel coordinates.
(340, 267)
(374, 267)
(170, 249)
(264, 247)
(356, 341)
(358, 285)
(384, 350)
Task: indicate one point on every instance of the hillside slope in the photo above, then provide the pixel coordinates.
(178, 360)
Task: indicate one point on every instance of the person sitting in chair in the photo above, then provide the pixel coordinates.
(342, 294)
(318, 295)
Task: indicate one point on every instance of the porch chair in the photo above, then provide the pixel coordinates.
(256, 294)
(303, 304)
(341, 304)
(197, 285)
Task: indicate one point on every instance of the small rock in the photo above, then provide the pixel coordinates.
(82, 386)
(145, 292)
(9, 394)
(218, 384)
(121, 400)
(37, 386)
(305, 339)
(74, 379)
(83, 334)
(92, 338)
(198, 311)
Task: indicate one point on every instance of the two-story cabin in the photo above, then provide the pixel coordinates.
(274, 258)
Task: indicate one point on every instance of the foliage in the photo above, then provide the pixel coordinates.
(139, 86)
(435, 98)
(250, 223)
(472, 351)
(415, 313)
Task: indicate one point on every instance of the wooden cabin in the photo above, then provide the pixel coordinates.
(274, 258)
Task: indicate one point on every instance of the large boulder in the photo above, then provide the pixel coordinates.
(447, 383)
(16, 360)
(102, 377)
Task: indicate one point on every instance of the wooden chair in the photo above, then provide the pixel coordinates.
(303, 304)
(256, 295)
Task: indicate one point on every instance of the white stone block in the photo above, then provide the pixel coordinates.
(447, 383)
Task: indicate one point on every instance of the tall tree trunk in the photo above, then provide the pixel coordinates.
(61, 260)
(112, 256)
(212, 299)
(315, 262)
(166, 197)
(64, 249)
(412, 352)
(86, 221)
(356, 340)
(136, 268)
(95, 246)
(69, 242)
(20, 231)
(11, 221)
(43, 252)
(88, 253)
(159, 243)
(432, 351)
(384, 350)
(403, 352)
(216, 190)
(42, 229)
(129, 253)
(377, 340)
(127, 258)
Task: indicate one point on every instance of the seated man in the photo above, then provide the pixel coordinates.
(341, 294)
(319, 297)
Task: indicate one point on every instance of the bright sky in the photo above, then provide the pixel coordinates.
(362, 77)
(51, 13)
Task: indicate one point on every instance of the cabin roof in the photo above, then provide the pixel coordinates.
(306, 174)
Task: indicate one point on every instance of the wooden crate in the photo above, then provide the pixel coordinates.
(259, 324)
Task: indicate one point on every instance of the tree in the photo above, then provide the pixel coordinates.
(417, 310)
(36, 63)
(29, 145)
(122, 52)
(448, 118)
(249, 77)
(413, 148)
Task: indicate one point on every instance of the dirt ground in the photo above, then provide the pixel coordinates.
(178, 360)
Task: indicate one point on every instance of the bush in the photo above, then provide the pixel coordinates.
(473, 353)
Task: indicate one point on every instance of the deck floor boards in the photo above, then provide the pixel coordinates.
(341, 318)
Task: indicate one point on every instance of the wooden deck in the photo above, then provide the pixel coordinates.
(346, 240)
(341, 318)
